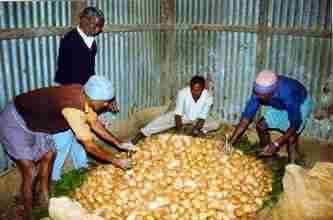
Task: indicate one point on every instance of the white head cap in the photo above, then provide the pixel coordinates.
(99, 88)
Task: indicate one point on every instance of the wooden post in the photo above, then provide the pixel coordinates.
(261, 39)
(168, 17)
(261, 36)
(76, 9)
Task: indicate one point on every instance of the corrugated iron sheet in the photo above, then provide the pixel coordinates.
(25, 64)
(306, 59)
(28, 14)
(301, 13)
(226, 12)
(227, 58)
(131, 61)
(129, 11)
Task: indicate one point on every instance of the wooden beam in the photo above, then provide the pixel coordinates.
(76, 8)
(18, 33)
(134, 28)
(15, 33)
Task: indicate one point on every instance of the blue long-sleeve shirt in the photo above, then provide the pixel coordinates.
(289, 96)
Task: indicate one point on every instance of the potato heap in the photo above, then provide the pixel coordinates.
(178, 177)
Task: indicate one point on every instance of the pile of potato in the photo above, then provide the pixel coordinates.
(178, 177)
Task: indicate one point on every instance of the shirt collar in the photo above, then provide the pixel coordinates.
(87, 39)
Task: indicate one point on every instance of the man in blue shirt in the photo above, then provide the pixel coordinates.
(287, 106)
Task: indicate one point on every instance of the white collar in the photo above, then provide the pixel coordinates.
(88, 40)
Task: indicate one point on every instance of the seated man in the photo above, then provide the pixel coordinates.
(287, 108)
(192, 106)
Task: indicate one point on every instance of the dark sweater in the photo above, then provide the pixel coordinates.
(76, 62)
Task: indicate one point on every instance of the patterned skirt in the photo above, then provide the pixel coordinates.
(20, 142)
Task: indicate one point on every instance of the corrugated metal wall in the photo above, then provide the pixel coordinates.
(26, 64)
(29, 14)
(230, 57)
(230, 60)
(131, 60)
(226, 12)
(306, 59)
(129, 11)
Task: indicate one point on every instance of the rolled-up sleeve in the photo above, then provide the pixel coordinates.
(294, 115)
(205, 108)
(251, 108)
(180, 104)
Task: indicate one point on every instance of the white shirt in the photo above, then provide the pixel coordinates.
(191, 110)
(87, 39)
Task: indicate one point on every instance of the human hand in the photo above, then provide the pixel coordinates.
(128, 146)
(113, 106)
(227, 147)
(124, 164)
(268, 151)
(195, 131)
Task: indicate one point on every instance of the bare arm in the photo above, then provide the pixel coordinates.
(200, 123)
(179, 122)
(240, 129)
(99, 128)
(104, 154)
(284, 138)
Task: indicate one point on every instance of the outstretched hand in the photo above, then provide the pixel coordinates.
(128, 146)
(268, 151)
(227, 148)
(124, 164)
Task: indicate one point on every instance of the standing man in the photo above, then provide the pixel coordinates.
(77, 52)
(192, 107)
(287, 108)
(76, 63)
